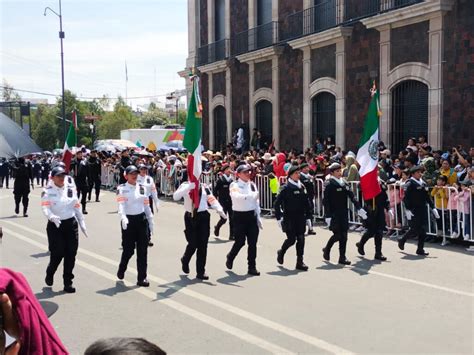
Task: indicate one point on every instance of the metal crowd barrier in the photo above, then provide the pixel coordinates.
(109, 177)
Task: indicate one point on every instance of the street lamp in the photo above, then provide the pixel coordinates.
(61, 37)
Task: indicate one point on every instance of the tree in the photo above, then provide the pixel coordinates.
(8, 93)
(154, 116)
(112, 123)
(182, 115)
(45, 132)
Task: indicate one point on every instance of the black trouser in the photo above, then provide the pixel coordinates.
(44, 181)
(22, 197)
(340, 235)
(135, 236)
(82, 191)
(37, 177)
(245, 228)
(197, 230)
(377, 235)
(227, 207)
(417, 228)
(5, 178)
(63, 243)
(294, 228)
(94, 185)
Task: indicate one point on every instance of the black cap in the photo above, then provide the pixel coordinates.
(58, 171)
(304, 165)
(416, 168)
(293, 169)
(243, 167)
(131, 169)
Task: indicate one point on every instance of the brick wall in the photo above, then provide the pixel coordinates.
(291, 99)
(203, 22)
(323, 62)
(218, 84)
(362, 62)
(263, 74)
(409, 44)
(458, 74)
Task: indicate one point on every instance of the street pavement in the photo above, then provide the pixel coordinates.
(406, 305)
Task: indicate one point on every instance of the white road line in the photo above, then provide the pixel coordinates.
(314, 341)
(213, 322)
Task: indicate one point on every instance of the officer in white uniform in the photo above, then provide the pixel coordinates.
(150, 188)
(136, 221)
(68, 181)
(247, 221)
(61, 206)
(197, 225)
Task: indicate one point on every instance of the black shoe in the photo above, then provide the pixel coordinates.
(17, 210)
(97, 200)
(120, 274)
(89, 199)
(69, 289)
(344, 262)
(85, 212)
(380, 257)
(422, 253)
(143, 283)
(25, 214)
(311, 232)
(49, 280)
(401, 244)
(184, 266)
(202, 277)
(326, 252)
(229, 263)
(216, 231)
(280, 257)
(254, 272)
(301, 266)
(360, 248)
(150, 244)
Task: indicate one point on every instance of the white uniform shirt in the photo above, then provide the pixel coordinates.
(133, 200)
(150, 188)
(61, 202)
(244, 196)
(206, 199)
(68, 181)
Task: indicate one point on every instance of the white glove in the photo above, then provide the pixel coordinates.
(124, 223)
(254, 195)
(409, 214)
(56, 220)
(222, 214)
(392, 215)
(309, 223)
(151, 224)
(191, 186)
(259, 222)
(280, 223)
(362, 214)
(328, 221)
(435, 213)
(82, 225)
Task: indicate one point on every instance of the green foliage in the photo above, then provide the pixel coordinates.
(112, 123)
(154, 116)
(8, 94)
(182, 115)
(45, 132)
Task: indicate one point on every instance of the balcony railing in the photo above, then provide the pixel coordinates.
(213, 52)
(333, 13)
(255, 38)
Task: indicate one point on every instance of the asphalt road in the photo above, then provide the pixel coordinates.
(406, 305)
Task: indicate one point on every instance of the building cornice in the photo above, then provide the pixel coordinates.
(260, 54)
(214, 67)
(409, 15)
(321, 39)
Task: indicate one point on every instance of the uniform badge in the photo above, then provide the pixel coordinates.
(142, 190)
(69, 193)
(339, 189)
(296, 192)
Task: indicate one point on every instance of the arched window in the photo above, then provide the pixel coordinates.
(220, 128)
(409, 112)
(264, 122)
(324, 117)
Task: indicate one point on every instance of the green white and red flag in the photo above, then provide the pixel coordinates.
(368, 154)
(68, 145)
(192, 140)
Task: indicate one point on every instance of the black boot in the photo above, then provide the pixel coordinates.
(216, 230)
(25, 212)
(280, 257)
(380, 257)
(326, 252)
(360, 248)
(401, 244)
(229, 262)
(253, 271)
(17, 208)
(84, 211)
(344, 261)
(184, 266)
(422, 253)
(300, 265)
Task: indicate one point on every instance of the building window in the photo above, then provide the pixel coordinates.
(409, 112)
(264, 12)
(264, 122)
(324, 118)
(219, 20)
(220, 128)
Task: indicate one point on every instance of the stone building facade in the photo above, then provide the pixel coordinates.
(298, 70)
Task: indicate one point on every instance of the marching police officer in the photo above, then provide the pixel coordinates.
(335, 198)
(247, 221)
(308, 181)
(223, 195)
(68, 180)
(292, 210)
(136, 221)
(95, 170)
(23, 173)
(150, 189)
(375, 222)
(4, 172)
(416, 200)
(61, 207)
(45, 170)
(197, 225)
(80, 172)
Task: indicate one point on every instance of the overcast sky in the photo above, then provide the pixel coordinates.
(101, 35)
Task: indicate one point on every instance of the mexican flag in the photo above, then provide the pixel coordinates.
(368, 153)
(68, 145)
(192, 140)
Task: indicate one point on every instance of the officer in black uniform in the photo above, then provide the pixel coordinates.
(375, 222)
(335, 198)
(308, 181)
(23, 174)
(45, 170)
(292, 210)
(122, 165)
(222, 193)
(416, 200)
(4, 172)
(80, 172)
(95, 170)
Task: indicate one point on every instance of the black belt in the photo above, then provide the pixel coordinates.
(135, 216)
(245, 212)
(197, 212)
